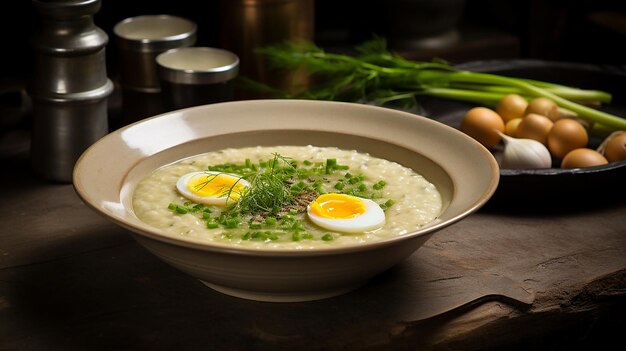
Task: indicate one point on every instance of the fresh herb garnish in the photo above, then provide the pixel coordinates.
(269, 188)
(280, 189)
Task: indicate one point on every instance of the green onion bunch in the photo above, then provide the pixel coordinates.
(377, 76)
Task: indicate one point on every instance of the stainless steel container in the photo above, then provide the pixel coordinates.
(140, 39)
(196, 76)
(69, 87)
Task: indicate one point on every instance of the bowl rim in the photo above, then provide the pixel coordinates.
(154, 233)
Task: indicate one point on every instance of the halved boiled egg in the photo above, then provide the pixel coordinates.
(211, 188)
(345, 213)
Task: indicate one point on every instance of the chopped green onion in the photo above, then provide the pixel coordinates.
(328, 237)
(379, 185)
(387, 204)
(232, 223)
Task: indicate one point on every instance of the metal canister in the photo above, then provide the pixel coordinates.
(246, 25)
(69, 87)
(139, 41)
(196, 76)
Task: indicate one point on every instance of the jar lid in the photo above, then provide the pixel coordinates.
(197, 65)
(155, 33)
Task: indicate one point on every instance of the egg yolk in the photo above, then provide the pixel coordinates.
(215, 185)
(337, 206)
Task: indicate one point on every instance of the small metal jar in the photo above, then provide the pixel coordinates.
(139, 41)
(197, 76)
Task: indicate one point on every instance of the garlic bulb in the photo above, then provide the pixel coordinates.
(524, 154)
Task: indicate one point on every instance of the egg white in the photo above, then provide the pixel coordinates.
(220, 200)
(373, 218)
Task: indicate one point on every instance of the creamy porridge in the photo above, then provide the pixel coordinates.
(252, 210)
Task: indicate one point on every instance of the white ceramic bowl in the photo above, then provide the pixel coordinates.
(465, 173)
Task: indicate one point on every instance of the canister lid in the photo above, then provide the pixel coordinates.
(155, 33)
(197, 65)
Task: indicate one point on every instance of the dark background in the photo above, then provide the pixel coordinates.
(557, 30)
(589, 31)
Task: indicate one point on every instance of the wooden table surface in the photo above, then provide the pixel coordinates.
(505, 277)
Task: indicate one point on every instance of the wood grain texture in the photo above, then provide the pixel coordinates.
(501, 278)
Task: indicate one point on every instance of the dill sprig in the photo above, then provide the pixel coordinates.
(269, 189)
